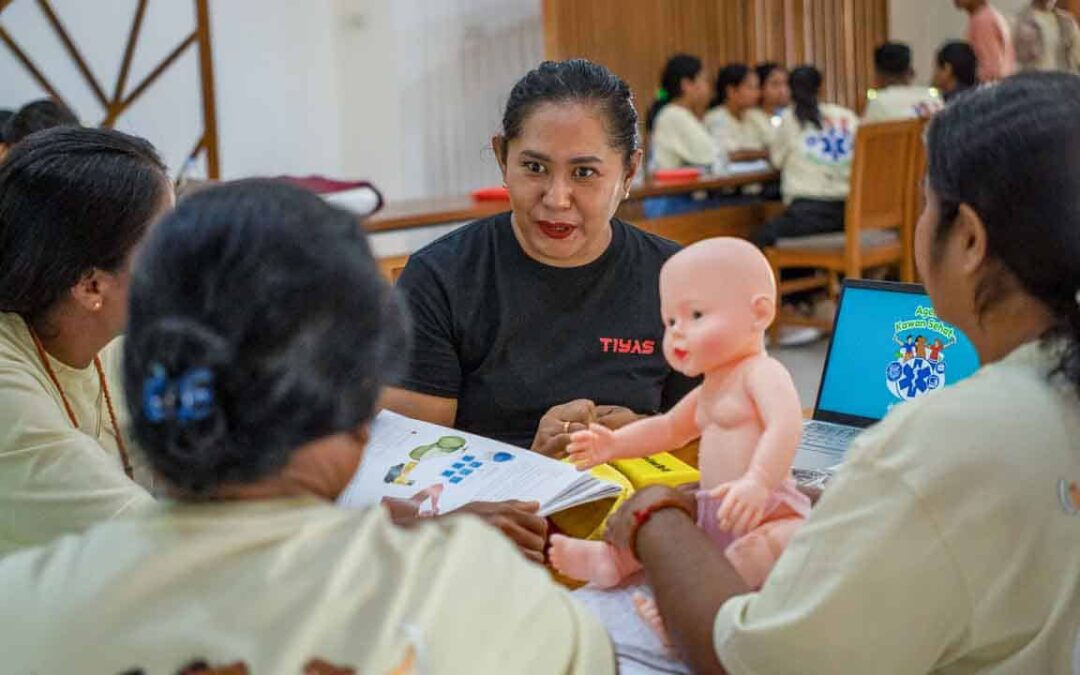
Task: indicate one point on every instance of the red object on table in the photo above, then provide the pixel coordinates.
(677, 175)
(491, 194)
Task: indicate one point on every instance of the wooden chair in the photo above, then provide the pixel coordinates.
(392, 266)
(916, 175)
(876, 217)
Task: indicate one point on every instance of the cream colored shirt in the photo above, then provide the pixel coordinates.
(1049, 56)
(765, 127)
(732, 134)
(948, 543)
(275, 584)
(54, 478)
(816, 163)
(901, 103)
(680, 139)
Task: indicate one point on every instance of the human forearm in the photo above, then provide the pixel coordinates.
(690, 585)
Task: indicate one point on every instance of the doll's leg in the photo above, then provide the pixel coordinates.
(594, 561)
(650, 614)
(754, 554)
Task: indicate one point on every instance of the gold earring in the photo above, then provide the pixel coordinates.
(97, 306)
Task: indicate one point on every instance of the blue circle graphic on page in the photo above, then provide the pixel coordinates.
(502, 457)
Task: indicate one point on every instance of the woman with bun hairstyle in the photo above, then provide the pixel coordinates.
(260, 337)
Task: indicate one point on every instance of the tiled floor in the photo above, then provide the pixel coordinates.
(805, 365)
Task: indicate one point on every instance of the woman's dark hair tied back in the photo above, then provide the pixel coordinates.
(575, 81)
(1011, 152)
(72, 200)
(805, 84)
(179, 387)
(259, 322)
(678, 68)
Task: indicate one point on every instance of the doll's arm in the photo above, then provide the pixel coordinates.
(658, 433)
(773, 393)
(777, 401)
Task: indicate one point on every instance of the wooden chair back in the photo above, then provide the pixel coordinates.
(916, 174)
(392, 266)
(879, 196)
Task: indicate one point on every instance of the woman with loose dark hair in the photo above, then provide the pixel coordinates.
(677, 135)
(553, 306)
(74, 204)
(947, 542)
(260, 336)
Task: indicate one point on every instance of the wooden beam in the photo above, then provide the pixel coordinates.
(4, 4)
(206, 77)
(29, 65)
(73, 52)
(153, 76)
(125, 65)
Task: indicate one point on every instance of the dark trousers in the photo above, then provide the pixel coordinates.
(802, 218)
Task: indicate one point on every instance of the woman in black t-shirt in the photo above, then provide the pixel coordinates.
(556, 301)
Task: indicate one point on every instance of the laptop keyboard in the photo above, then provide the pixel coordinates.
(821, 451)
(827, 436)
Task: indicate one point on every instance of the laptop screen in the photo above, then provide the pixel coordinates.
(888, 346)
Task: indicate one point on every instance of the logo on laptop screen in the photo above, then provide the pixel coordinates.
(920, 366)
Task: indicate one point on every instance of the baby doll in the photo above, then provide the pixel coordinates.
(717, 298)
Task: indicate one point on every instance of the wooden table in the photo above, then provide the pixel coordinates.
(737, 220)
(409, 213)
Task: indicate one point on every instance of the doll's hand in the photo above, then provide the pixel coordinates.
(743, 505)
(591, 447)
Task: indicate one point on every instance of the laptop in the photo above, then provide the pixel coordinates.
(887, 347)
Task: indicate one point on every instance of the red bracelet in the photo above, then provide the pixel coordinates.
(642, 516)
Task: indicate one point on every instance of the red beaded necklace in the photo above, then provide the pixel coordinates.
(120, 445)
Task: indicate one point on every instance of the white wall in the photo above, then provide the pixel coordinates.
(927, 24)
(275, 66)
(405, 93)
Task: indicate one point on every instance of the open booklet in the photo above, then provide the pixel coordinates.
(441, 469)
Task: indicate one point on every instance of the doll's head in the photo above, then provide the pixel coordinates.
(717, 297)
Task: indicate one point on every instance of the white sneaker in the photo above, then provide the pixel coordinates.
(797, 336)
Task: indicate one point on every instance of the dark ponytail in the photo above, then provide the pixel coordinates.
(678, 68)
(1011, 152)
(805, 84)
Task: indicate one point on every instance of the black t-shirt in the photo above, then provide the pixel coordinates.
(509, 337)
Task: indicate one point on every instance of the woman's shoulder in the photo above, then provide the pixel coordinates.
(16, 347)
(456, 243)
(988, 419)
(21, 373)
(758, 117)
(837, 111)
(673, 115)
(647, 244)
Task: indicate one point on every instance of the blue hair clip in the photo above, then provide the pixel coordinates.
(187, 398)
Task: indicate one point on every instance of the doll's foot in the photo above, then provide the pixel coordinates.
(650, 614)
(592, 561)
